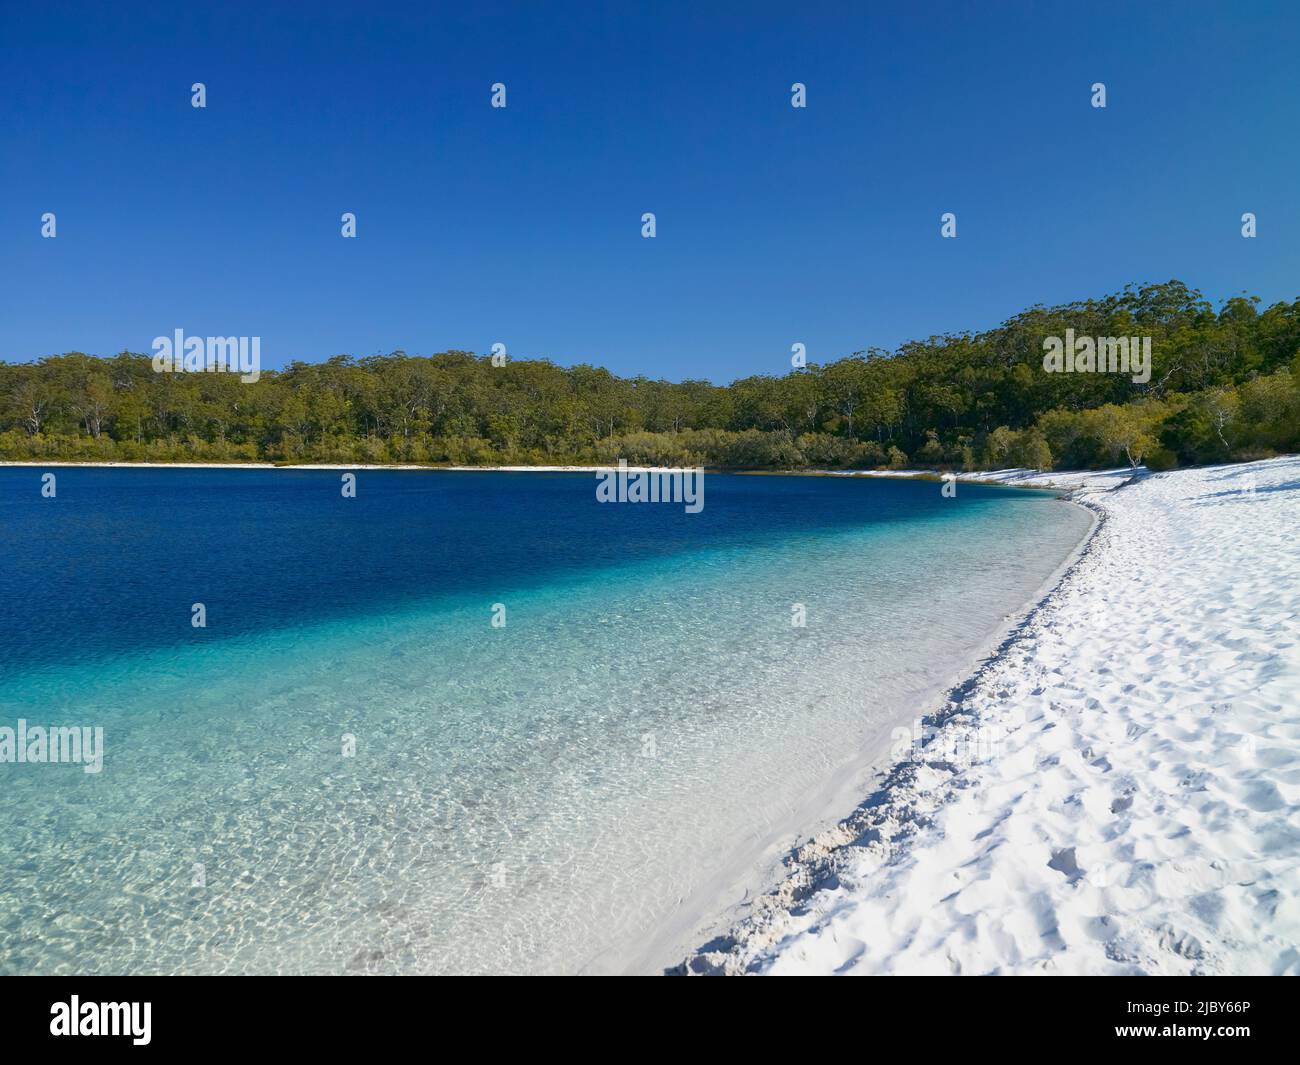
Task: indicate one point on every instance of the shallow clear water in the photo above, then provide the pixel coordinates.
(536, 797)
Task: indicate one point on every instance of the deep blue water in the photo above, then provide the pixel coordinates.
(115, 561)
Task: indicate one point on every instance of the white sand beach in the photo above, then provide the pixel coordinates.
(1116, 791)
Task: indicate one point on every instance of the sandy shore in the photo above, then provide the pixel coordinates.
(1117, 791)
(1022, 478)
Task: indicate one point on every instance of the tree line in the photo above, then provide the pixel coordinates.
(1224, 385)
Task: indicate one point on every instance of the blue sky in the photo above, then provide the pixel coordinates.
(522, 226)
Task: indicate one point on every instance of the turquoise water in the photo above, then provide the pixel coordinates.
(536, 797)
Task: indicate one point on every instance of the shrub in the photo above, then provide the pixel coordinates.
(1159, 459)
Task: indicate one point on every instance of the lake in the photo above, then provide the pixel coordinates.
(464, 721)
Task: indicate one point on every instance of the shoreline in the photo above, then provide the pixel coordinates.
(1137, 817)
(800, 848)
(1010, 478)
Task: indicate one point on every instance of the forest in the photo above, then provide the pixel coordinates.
(1224, 386)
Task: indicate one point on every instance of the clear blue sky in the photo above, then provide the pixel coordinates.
(522, 226)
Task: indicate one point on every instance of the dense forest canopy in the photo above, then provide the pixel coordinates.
(1224, 384)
